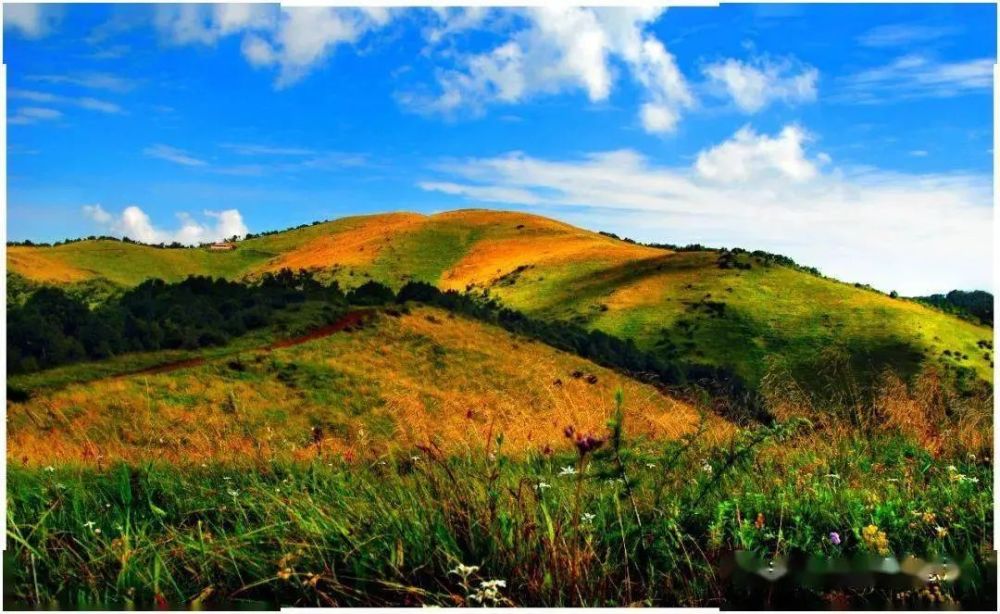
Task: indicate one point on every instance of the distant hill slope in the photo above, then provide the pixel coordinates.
(420, 378)
(749, 313)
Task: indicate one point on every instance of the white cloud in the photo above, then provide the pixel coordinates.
(306, 36)
(205, 24)
(86, 102)
(135, 224)
(562, 49)
(253, 149)
(89, 80)
(917, 76)
(758, 82)
(172, 154)
(97, 213)
(749, 156)
(32, 20)
(914, 233)
(31, 115)
(901, 34)
(294, 40)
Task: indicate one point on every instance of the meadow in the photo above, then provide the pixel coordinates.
(487, 409)
(779, 517)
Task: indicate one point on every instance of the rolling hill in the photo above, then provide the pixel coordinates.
(751, 313)
(418, 378)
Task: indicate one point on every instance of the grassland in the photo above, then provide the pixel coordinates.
(421, 458)
(772, 316)
(648, 523)
(420, 378)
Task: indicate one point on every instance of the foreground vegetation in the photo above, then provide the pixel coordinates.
(760, 521)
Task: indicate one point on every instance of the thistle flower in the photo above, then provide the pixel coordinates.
(834, 538)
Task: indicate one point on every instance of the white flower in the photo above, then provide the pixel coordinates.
(89, 524)
(833, 476)
(50, 468)
(226, 478)
(233, 493)
(588, 517)
(952, 468)
(706, 468)
(568, 470)
(651, 465)
(465, 570)
(543, 485)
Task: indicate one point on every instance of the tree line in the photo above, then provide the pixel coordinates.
(53, 327)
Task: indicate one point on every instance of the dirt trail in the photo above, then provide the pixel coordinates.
(348, 320)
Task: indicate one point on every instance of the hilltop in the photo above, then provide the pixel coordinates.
(752, 313)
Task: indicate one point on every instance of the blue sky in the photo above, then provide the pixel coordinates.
(855, 138)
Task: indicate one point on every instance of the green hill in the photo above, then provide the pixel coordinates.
(752, 313)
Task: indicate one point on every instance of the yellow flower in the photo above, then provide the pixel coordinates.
(929, 517)
(941, 532)
(875, 539)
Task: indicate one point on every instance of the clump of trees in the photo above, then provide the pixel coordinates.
(53, 327)
(977, 304)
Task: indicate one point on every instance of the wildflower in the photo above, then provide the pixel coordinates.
(759, 523)
(834, 538)
(50, 468)
(233, 493)
(489, 592)
(875, 539)
(285, 573)
(952, 468)
(651, 465)
(941, 532)
(543, 486)
(464, 571)
(89, 524)
(226, 478)
(588, 517)
(568, 470)
(707, 468)
(833, 476)
(929, 517)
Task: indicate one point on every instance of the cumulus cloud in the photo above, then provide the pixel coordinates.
(295, 40)
(31, 20)
(135, 224)
(749, 156)
(915, 233)
(755, 84)
(173, 154)
(183, 24)
(306, 36)
(563, 49)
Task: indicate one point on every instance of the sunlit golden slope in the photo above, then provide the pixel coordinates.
(423, 378)
(766, 317)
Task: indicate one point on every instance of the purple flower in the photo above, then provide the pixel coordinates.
(834, 538)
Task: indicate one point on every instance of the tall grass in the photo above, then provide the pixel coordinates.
(630, 522)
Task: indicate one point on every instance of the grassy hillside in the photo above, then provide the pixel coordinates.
(760, 318)
(400, 381)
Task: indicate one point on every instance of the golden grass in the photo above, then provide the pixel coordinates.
(490, 259)
(357, 245)
(419, 379)
(41, 266)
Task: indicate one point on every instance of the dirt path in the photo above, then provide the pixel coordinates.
(348, 320)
